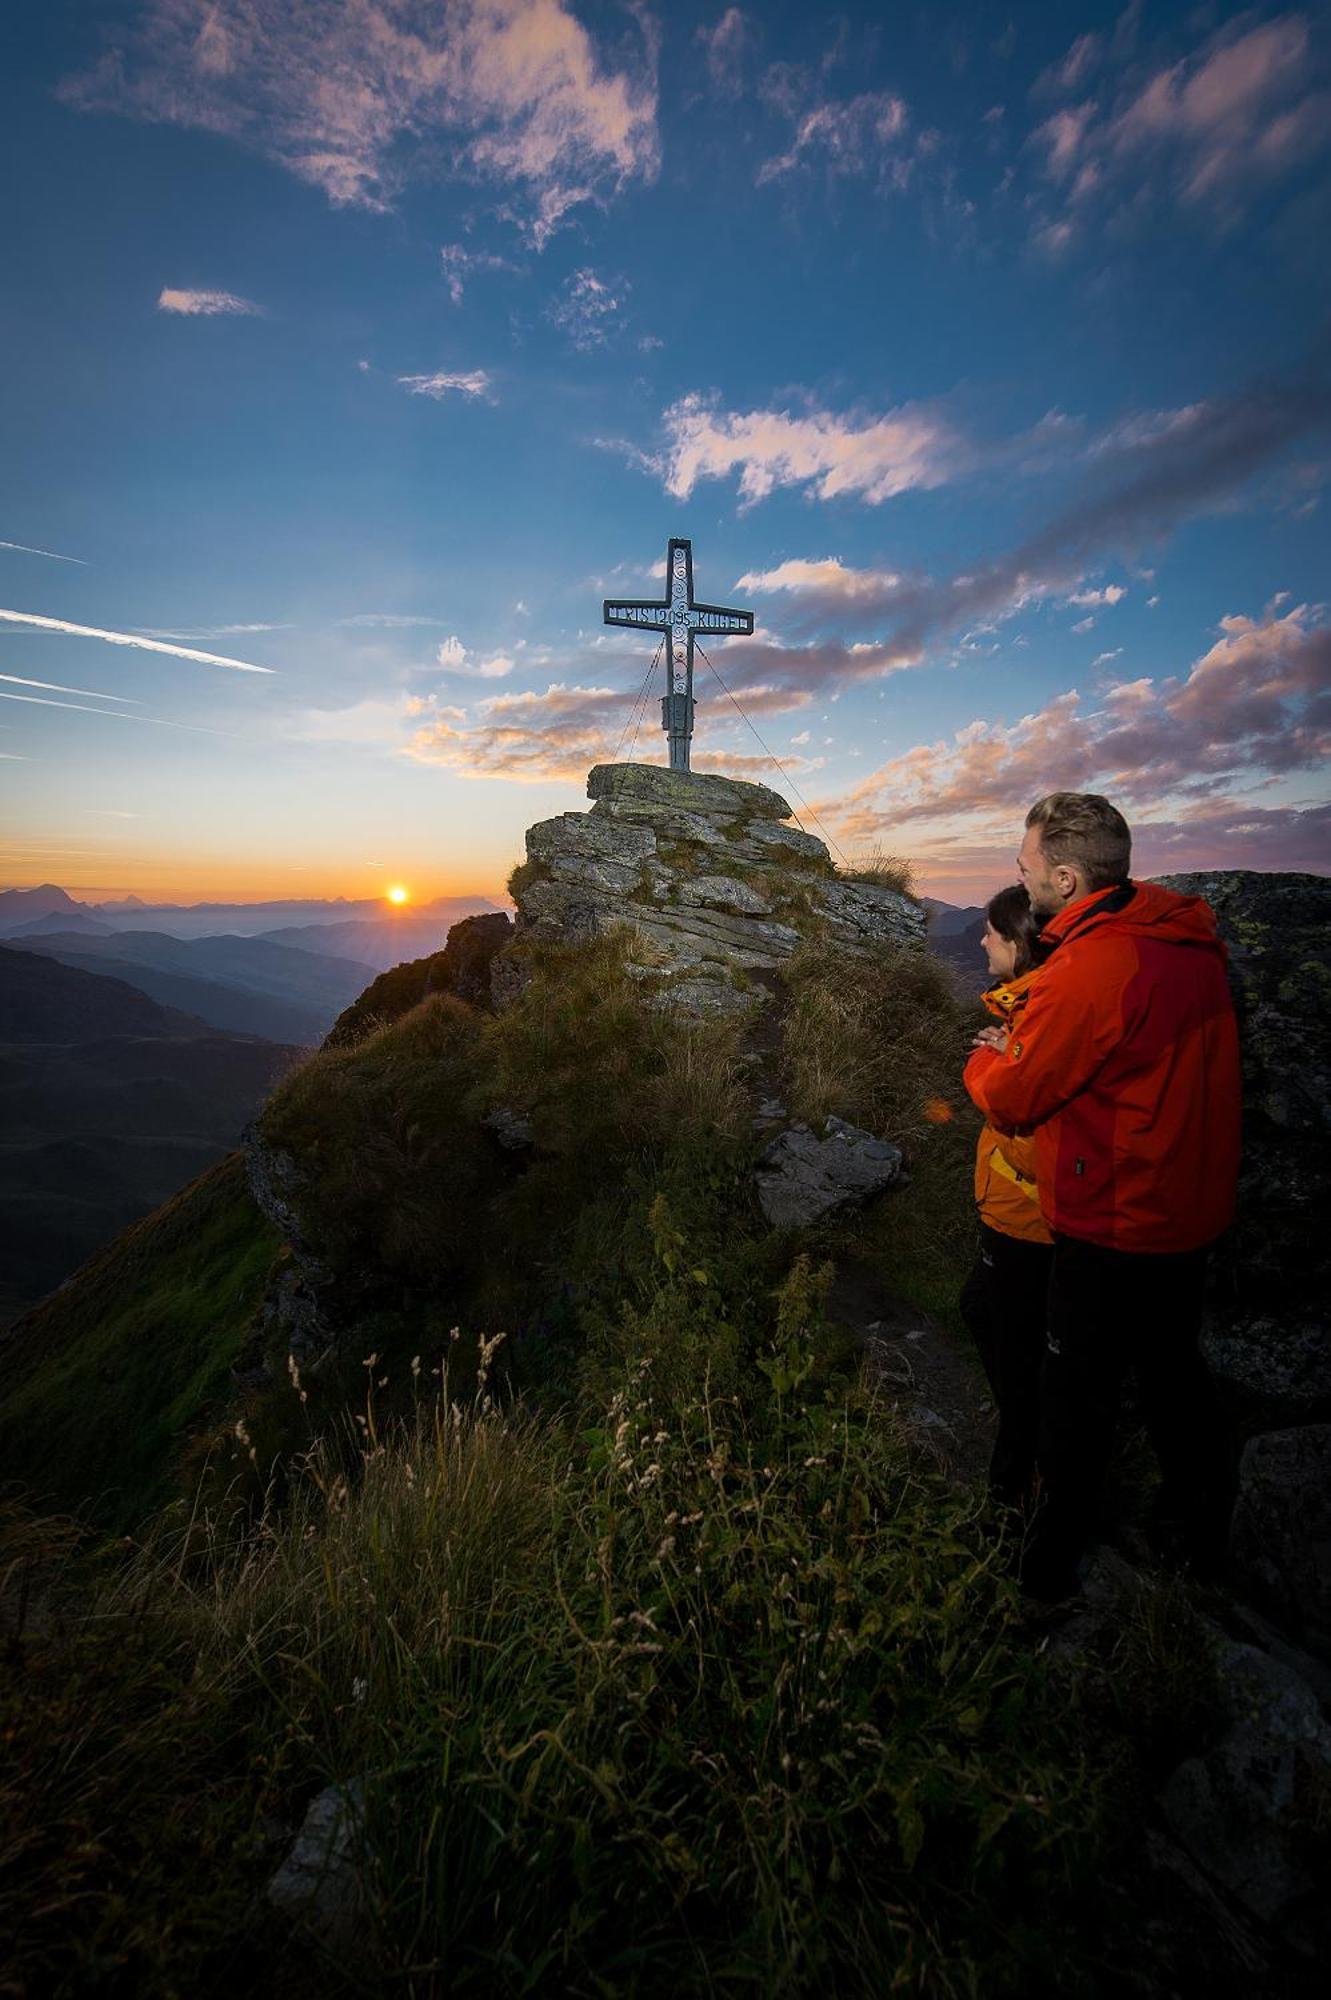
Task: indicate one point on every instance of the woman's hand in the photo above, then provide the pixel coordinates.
(992, 1038)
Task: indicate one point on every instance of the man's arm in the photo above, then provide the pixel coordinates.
(1069, 1026)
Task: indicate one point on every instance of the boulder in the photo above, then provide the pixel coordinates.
(803, 1177)
(1272, 1370)
(1245, 1807)
(1281, 1538)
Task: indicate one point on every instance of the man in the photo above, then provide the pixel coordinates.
(1125, 1065)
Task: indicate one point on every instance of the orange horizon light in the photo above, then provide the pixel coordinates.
(398, 895)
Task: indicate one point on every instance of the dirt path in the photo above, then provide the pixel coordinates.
(928, 1372)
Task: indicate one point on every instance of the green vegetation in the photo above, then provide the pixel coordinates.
(689, 1692)
(882, 1042)
(104, 1379)
(663, 1658)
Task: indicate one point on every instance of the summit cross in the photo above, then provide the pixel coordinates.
(680, 619)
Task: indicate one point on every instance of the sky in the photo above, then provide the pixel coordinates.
(351, 351)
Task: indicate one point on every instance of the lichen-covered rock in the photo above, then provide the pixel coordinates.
(1281, 1540)
(1244, 1809)
(1268, 1337)
(1273, 1370)
(803, 1176)
(706, 875)
(1278, 930)
(688, 791)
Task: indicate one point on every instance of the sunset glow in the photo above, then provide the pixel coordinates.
(1030, 520)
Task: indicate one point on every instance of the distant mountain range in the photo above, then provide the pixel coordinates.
(109, 1101)
(19, 907)
(281, 970)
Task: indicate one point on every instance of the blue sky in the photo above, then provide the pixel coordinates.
(983, 353)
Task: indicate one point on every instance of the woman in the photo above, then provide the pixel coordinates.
(1003, 1302)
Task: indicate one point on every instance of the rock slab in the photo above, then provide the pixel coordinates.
(803, 1177)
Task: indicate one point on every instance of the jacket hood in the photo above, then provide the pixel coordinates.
(1148, 910)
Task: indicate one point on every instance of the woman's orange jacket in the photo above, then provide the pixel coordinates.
(1125, 1066)
(1006, 1192)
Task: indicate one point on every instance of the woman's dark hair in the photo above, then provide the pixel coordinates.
(1011, 915)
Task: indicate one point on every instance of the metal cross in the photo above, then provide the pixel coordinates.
(680, 618)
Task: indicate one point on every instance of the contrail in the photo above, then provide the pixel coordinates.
(129, 639)
(115, 714)
(22, 549)
(58, 687)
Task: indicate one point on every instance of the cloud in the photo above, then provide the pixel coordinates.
(1257, 702)
(357, 97)
(22, 549)
(389, 620)
(58, 687)
(1211, 129)
(852, 137)
(206, 305)
(205, 631)
(726, 47)
(113, 714)
(135, 639)
(473, 382)
(828, 575)
(588, 309)
(529, 737)
(872, 458)
(368, 724)
(1139, 482)
(459, 264)
(1239, 109)
(1072, 71)
(454, 658)
(1103, 659)
(1083, 625)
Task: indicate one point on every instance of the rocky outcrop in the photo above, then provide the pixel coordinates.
(1244, 1808)
(1268, 1333)
(1282, 1530)
(708, 876)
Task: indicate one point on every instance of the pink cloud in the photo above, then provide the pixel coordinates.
(873, 457)
(1257, 703)
(343, 93)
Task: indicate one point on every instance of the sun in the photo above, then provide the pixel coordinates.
(397, 894)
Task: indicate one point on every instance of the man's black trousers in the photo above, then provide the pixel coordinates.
(1003, 1303)
(1111, 1311)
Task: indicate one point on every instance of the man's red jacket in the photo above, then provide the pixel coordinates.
(1125, 1065)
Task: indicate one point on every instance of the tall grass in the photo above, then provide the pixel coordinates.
(684, 1699)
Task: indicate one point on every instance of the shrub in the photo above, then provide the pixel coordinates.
(883, 871)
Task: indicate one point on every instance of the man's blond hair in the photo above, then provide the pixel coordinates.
(1082, 830)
